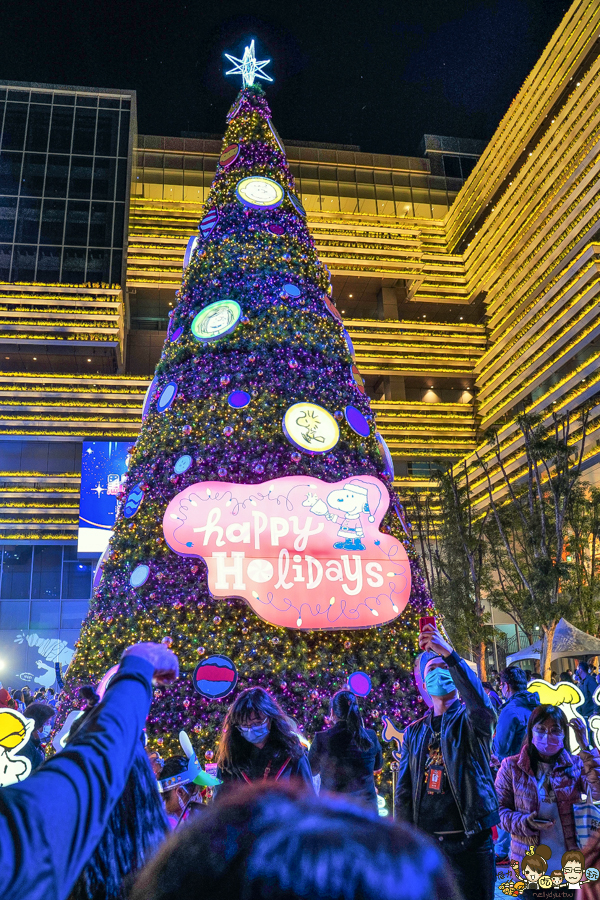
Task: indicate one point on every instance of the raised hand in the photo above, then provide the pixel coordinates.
(431, 639)
(166, 664)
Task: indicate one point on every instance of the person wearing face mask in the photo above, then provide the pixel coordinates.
(538, 786)
(510, 732)
(42, 714)
(445, 785)
(260, 743)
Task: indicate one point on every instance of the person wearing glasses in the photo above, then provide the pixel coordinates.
(259, 742)
(537, 787)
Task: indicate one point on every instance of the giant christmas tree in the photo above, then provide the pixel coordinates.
(258, 520)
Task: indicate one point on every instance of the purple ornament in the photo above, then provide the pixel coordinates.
(360, 684)
(239, 399)
(357, 421)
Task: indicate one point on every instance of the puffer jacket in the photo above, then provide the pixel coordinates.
(512, 724)
(518, 796)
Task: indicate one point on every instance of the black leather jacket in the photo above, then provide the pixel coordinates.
(466, 738)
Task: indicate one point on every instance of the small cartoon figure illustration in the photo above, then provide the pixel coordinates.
(557, 878)
(218, 321)
(512, 888)
(535, 863)
(352, 501)
(309, 421)
(573, 863)
(15, 730)
(392, 733)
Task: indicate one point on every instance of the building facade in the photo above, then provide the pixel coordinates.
(467, 301)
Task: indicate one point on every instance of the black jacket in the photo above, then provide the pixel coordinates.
(466, 739)
(267, 763)
(34, 752)
(345, 768)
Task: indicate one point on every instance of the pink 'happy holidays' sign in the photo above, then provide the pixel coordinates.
(301, 552)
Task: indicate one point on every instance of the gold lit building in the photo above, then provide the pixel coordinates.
(468, 279)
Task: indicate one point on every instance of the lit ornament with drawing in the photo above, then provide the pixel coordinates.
(216, 320)
(311, 428)
(258, 192)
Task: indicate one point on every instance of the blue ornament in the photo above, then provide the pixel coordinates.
(215, 677)
(357, 421)
(139, 576)
(291, 290)
(182, 464)
(295, 201)
(148, 399)
(360, 684)
(175, 335)
(189, 250)
(168, 394)
(239, 399)
(387, 457)
(134, 501)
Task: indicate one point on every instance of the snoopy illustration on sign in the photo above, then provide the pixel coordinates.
(351, 502)
(15, 731)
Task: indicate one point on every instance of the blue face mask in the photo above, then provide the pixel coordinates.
(438, 682)
(255, 734)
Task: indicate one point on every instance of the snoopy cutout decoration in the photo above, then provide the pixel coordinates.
(301, 552)
(15, 731)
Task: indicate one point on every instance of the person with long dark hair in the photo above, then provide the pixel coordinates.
(538, 787)
(136, 828)
(271, 840)
(260, 743)
(347, 755)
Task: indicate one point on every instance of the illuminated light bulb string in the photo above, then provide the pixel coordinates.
(286, 348)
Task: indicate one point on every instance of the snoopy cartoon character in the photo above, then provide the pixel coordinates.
(15, 730)
(352, 501)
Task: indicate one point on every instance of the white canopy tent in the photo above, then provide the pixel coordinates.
(568, 641)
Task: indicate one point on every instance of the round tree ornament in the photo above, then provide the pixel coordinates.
(358, 379)
(208, 223)
(276, 229)
(229, 155)
(239, 399)
(139, 576)
(310, 428)
(134, 501)
(360, 684)
(167, 395)
(295, 201)
(357, 421)
(182, 464)
(148, 398)
(216, 320)
(258, 192)
(291, 290)
(386, 455)
(215, 677)
(189, 250)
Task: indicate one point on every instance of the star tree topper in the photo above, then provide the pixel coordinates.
(249, 67)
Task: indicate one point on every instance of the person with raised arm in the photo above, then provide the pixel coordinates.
(445, 784)
(51, 823)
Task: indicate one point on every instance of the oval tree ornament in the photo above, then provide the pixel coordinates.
(215, 677)
(216, 320)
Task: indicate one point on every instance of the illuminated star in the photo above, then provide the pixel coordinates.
(248, 67)
(89, 450)
(98, 489)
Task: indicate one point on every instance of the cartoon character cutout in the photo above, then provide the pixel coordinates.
(392, 733)
(573, 863)
(310, 423)
(535, 864)
(350, 503)
(15, 731)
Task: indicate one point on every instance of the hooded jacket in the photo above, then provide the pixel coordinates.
(512, 724)
(466, 737)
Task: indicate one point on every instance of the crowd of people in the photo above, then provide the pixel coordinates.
(485, 779)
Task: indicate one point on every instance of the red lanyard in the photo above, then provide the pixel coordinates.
(267, 771)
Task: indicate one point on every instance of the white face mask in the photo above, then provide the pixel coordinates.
(45, 731)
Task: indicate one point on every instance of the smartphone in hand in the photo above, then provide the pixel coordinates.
(426, 620)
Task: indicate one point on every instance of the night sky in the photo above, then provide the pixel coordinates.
(378, 73)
